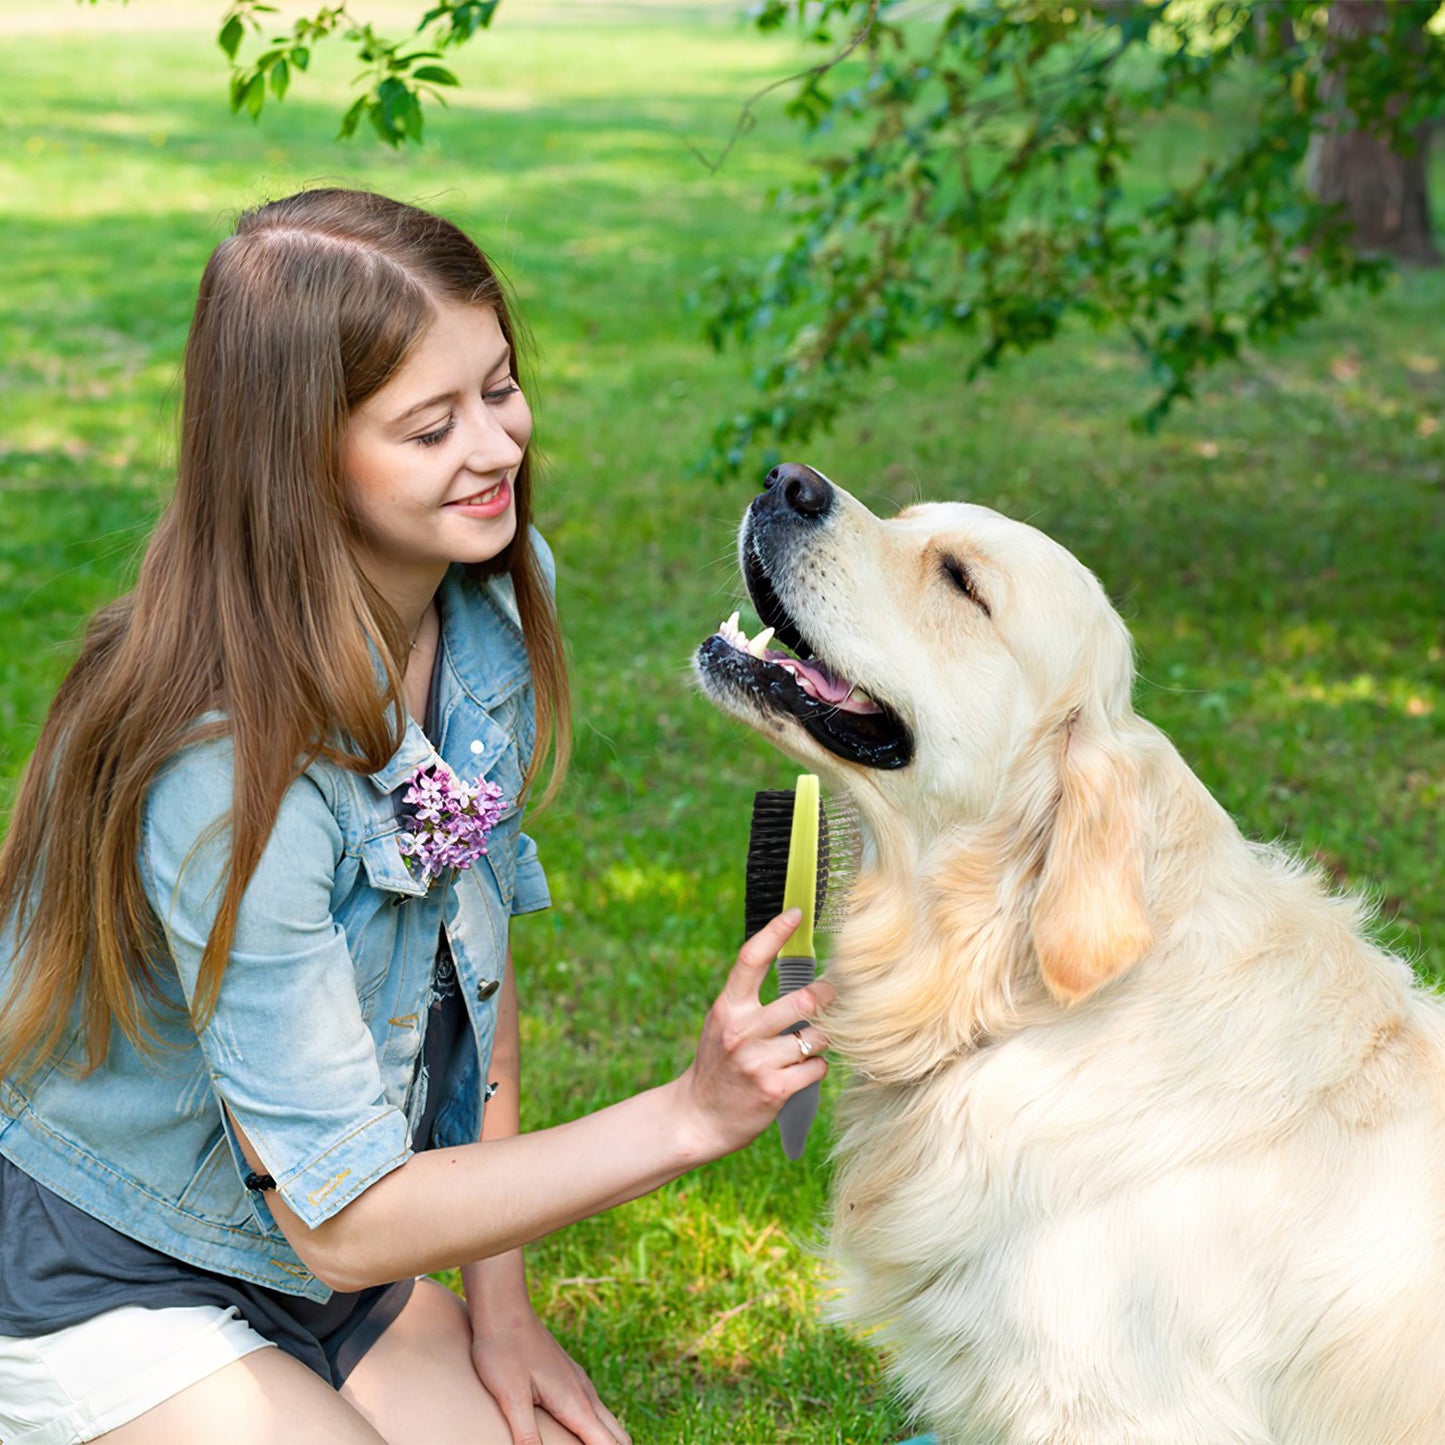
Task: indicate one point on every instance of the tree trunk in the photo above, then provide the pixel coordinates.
(1384, 193)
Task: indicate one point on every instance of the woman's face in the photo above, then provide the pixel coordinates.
(431, 458)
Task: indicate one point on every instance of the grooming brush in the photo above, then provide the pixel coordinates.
(805, 857)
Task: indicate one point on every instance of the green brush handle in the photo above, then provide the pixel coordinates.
(796, 1116)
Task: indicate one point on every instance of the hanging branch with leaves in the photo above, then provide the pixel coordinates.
(989, 186)
(986, 178)
(398, 75)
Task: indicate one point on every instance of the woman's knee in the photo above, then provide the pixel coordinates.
(418, 1386)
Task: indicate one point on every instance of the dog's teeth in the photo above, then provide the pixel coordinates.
(758, 647)
(732, 633)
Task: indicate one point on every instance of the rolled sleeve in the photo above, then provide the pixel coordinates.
(287, 1047)
(530, 893)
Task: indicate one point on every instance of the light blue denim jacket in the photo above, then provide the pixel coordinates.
(314, 1041)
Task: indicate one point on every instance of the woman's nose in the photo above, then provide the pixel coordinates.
(492, 447)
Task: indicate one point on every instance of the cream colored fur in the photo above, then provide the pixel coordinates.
(1144, 1140)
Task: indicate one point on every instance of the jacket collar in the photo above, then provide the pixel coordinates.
(481, 653)
(415, 751)
(482, 646)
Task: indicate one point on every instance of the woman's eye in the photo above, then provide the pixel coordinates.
(501, 393)
(431, 438)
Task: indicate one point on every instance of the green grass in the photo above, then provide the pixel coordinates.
(1278, 551)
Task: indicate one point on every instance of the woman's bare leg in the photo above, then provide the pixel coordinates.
(264, 1398)
(416, 1384)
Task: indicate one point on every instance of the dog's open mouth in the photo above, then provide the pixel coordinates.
(835, 712)
(811, 675)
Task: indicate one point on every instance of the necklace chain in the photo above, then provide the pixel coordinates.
(416, 640)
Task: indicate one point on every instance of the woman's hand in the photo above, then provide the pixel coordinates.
(746, 1067)
(524, 1369)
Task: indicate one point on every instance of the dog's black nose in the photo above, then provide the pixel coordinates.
(805, 491)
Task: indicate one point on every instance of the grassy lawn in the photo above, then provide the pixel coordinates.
(1279, 552)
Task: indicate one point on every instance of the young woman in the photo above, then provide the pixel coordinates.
(258, 1040)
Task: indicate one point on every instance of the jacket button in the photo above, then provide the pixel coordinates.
(486, 988)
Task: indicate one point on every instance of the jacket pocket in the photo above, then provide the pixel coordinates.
(215, 1193)
(386, 868)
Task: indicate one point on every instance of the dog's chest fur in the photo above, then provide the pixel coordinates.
(1139, 1221)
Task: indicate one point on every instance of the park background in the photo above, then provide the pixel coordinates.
(1277, 549)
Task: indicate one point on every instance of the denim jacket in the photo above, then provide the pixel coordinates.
(314, 1041)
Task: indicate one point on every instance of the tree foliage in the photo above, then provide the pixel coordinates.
(988, 173)
(986, 179)
(397, 76)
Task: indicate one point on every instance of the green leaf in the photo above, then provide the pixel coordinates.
(391, 97)
(397, 113)
(437, 74)
(238, 89)
(465, 18)
(352, 118)
(254, 96)
(381, 125)
(230, 37)
(412, 119)
(280, 78)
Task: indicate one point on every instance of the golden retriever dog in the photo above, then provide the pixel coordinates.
(1143, 1139)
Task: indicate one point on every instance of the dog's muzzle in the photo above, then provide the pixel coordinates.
(800, 684)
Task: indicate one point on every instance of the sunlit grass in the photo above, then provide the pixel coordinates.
(1278, 550)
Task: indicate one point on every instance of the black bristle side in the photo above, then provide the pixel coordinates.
(769, 838)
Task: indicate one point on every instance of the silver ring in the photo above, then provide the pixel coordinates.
(804, 1047)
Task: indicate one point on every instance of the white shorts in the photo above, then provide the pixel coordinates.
(75, 1384)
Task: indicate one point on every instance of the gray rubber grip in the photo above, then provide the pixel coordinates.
(797, 1114)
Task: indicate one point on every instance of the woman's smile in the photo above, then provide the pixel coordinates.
(491, 501)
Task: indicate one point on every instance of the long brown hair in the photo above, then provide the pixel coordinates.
(249, 601)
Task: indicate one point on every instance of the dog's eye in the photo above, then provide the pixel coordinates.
(962, 578)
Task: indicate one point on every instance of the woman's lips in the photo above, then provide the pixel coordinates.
(489, 502)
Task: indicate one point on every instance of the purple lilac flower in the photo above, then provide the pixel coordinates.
(447, 821)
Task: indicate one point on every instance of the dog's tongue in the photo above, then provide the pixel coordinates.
(835, 691)
(811, 676)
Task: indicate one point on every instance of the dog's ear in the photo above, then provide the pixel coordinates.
(1089, 922)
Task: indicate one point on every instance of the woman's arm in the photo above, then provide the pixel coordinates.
(499, 1284)
(449, 1206)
